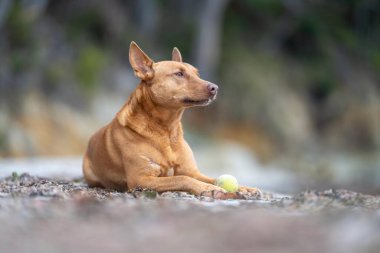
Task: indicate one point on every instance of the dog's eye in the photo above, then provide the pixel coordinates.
(180, 74)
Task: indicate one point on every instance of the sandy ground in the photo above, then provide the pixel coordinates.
(48, 215)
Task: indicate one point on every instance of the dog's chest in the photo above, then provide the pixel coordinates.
(167, 172)
(163, 169)
(169, 159)
(162, 166)
(165, 161)
(168, 166)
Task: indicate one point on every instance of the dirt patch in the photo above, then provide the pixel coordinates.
(50, 215)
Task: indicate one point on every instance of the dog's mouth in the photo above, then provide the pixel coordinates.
(190, 101)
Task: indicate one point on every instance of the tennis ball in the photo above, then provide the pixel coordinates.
(228, 183)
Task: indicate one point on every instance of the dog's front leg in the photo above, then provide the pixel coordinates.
(193, 172)
(144, 172)
(180, 183)
(250, 191)
(189, 168)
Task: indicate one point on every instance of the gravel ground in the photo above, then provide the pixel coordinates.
(49, 215)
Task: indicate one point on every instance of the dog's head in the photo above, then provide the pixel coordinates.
(171, 83)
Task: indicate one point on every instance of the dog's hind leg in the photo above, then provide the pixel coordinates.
(91, 179)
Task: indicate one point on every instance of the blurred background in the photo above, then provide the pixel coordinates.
(299, 101)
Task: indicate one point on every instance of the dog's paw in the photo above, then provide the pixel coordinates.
(216, 192)
(250, 192)
(211, 187)
(220, 195)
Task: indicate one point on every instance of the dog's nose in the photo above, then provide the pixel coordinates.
(212, 88)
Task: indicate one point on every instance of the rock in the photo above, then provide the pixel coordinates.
(53, 212)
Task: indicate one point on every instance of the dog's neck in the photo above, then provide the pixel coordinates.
(141, 108)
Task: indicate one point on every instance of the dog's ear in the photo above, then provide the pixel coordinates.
(140, 62)
(176, 55)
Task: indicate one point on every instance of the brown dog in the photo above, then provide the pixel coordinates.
(143, 146)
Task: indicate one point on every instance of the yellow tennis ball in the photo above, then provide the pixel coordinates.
(228, 183)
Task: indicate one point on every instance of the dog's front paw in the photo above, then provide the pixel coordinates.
(210, 187)
(221, 195)
(217, 192)
(250, 192)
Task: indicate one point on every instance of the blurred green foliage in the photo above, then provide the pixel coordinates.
(87, 24)
(19, 28)
(376, 59)
(88, 66)
(282, 65)
(18, 62)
